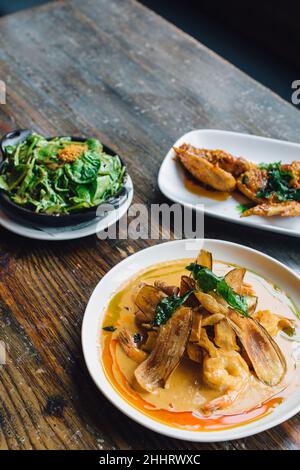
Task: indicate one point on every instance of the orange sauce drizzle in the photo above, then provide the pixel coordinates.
(183, 420)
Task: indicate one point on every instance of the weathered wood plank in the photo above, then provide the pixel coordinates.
(117, 71)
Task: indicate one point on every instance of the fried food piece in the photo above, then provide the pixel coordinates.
(234, 165)
(205, 259)
(212, 303)
(212, 319)
(168, 350)
(274, 323)
(127, 343)
(269, 209)
(247, 289)
(225, 337)
(203, 167)
(165, 288)
(207, 344)
(274, 188)
(146, 300)
(224, 160)
(194, 352)
(252, 181)
(196, 327)
(294, 169)
(235, 278)
(150, 341)
(186, 284)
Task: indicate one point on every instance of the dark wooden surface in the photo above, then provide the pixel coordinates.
(115, 70)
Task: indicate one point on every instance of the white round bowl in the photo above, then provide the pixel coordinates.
(254, 260)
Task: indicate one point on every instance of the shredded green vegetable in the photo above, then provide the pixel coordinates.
(35, 176)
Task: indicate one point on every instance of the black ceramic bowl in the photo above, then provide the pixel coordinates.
(18, 212)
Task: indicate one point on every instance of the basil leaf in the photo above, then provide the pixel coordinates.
(205, 277)
(208, 281)
(236, 301)
(167, 306)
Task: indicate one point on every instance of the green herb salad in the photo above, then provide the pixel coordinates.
(60, 176)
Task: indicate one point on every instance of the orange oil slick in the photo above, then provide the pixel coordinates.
(182, 420)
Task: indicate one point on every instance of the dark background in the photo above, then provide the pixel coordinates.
(259, 37)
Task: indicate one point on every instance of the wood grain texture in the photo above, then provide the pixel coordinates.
(115, 70)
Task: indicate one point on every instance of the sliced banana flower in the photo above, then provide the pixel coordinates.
(207, 344)
(146, 300)
(213, 319)
(168, 350)
(225, 337)
(149, 344)
(211, 303)
(205, 259)
(235, 278)
(186, 284)
(194, 352)
(196, 327)
(252, 302)
(264, 354)
(166, 288)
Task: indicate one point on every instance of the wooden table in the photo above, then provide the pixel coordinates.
(115, 70)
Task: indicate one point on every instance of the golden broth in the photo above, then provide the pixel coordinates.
(179, 403)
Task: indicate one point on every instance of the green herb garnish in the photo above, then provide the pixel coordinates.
(289, 331)
(167, 306)
(244, 207)
(208, 281)
(278, 183)
(109, 328)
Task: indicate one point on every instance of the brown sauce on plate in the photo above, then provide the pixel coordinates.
(193, 186)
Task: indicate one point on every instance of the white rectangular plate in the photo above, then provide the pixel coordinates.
(254, 148)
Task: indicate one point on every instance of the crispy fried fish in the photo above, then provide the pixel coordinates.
(251, 182)
(275, 178)
(214, 168)
(283, 209)
(275, 187)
